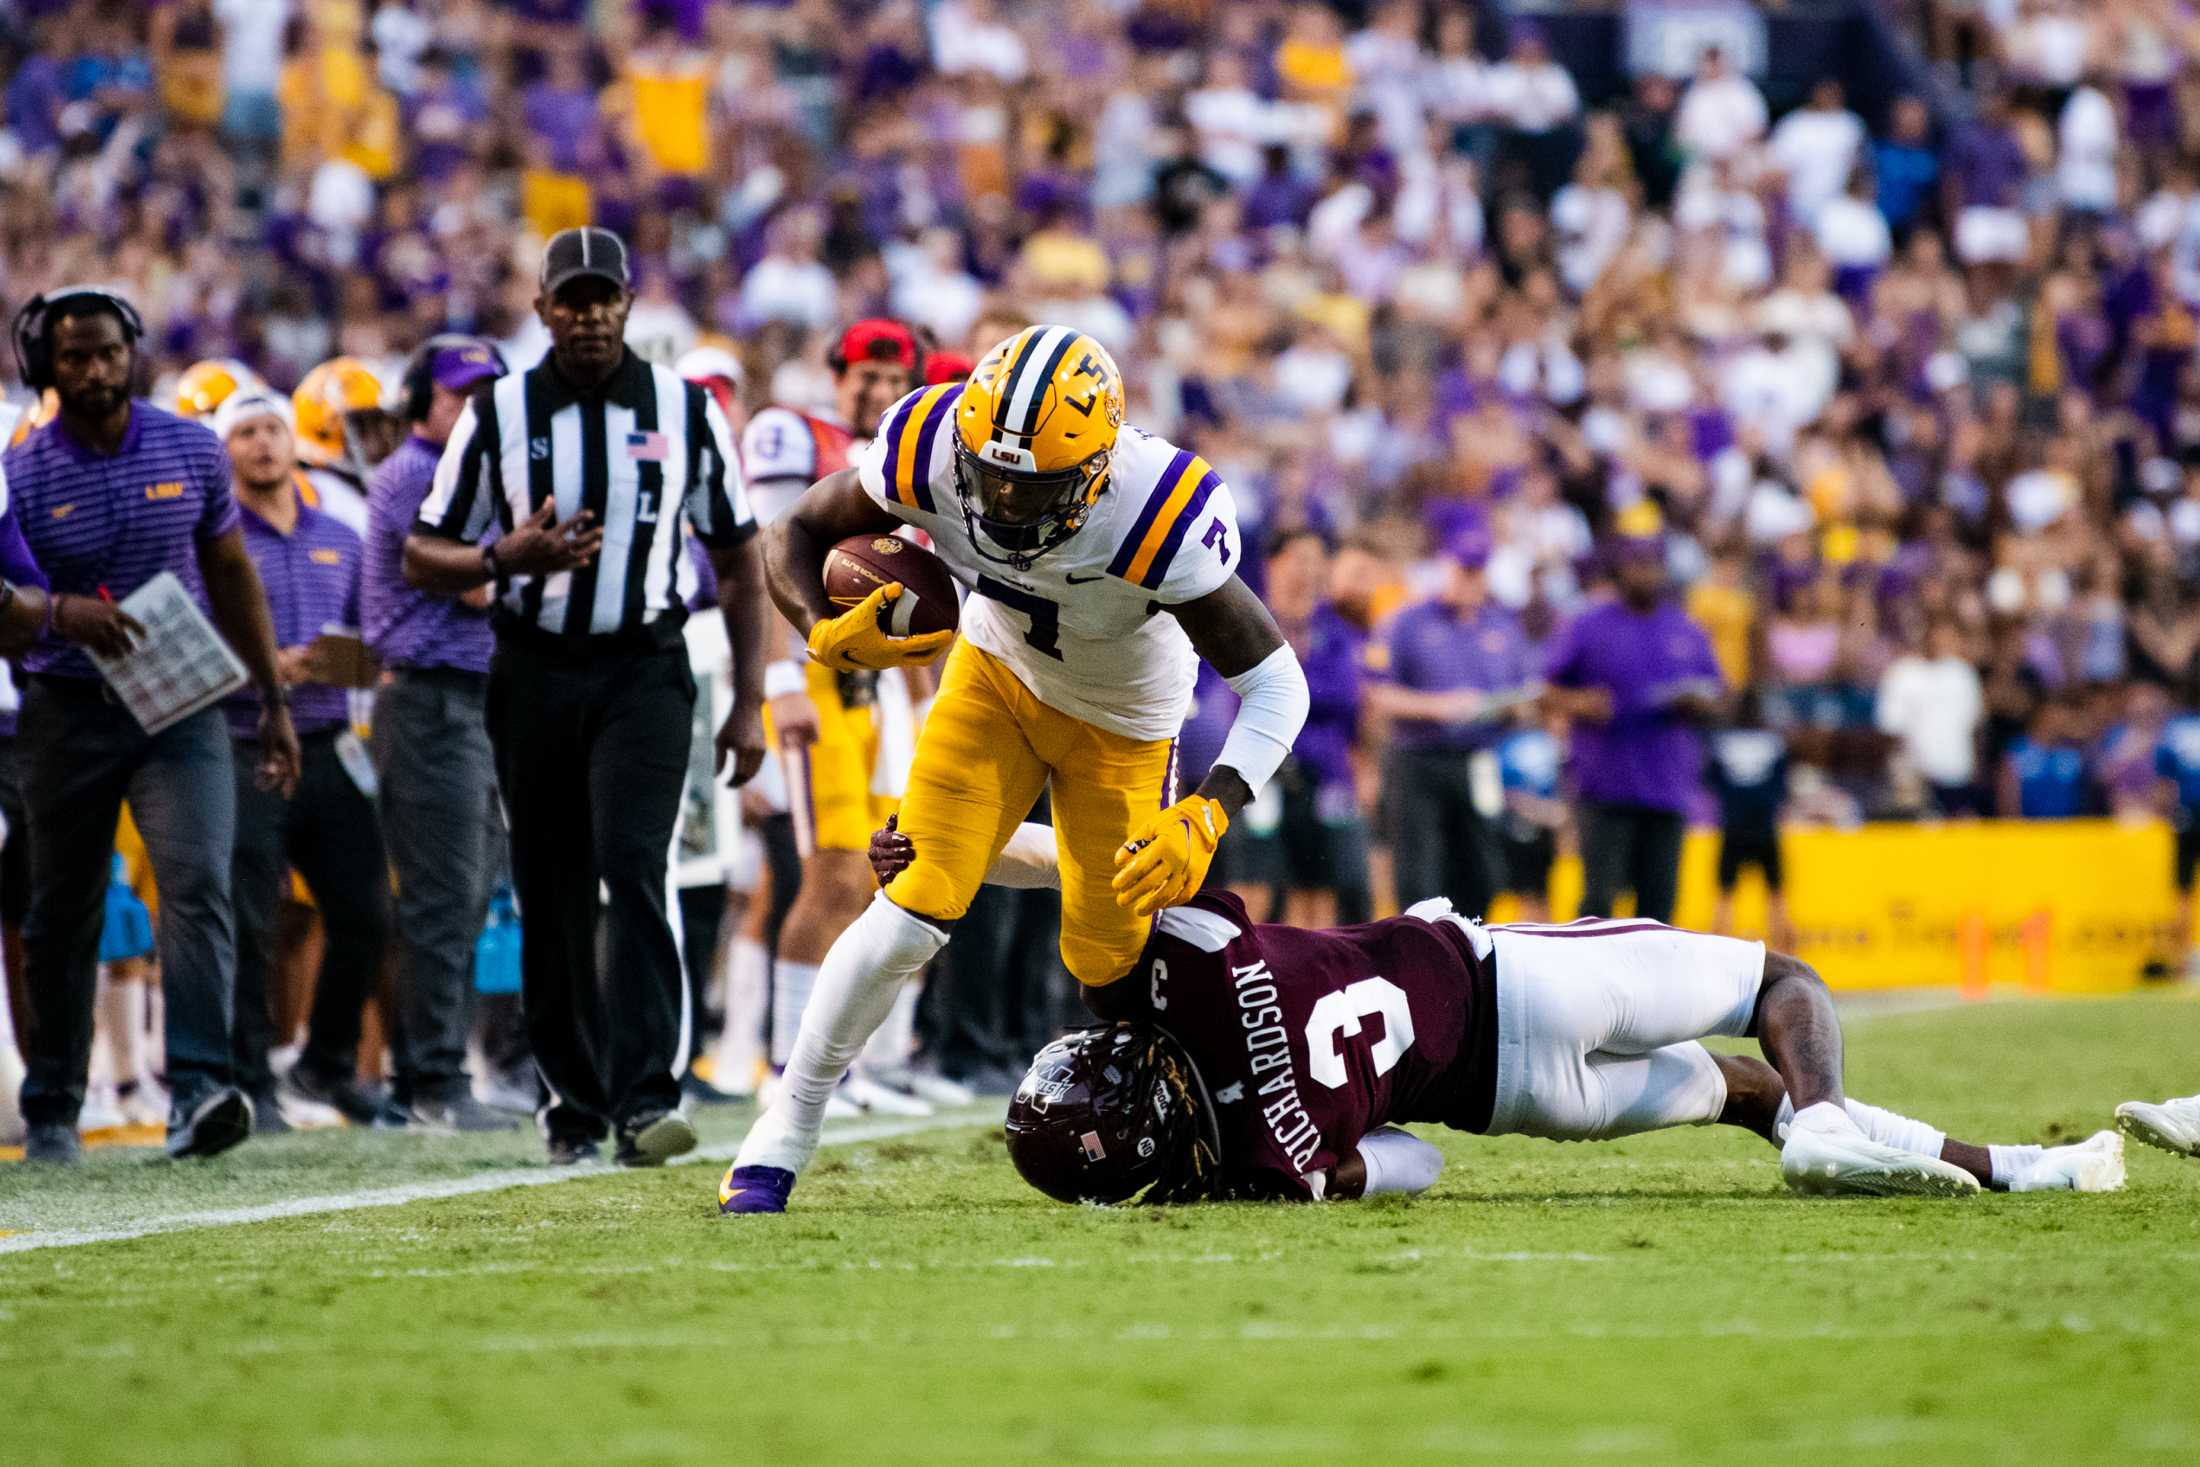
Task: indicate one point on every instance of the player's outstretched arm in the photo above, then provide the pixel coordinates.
(1167, 856)
(1233, 631)
(796, 544)
(1387, 1161)
(1030, 860)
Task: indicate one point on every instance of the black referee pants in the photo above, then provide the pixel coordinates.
(592, 752)
(1630, 848)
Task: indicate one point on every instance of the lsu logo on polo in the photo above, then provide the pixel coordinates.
(169, 489)
(326, 557)
(63, 511)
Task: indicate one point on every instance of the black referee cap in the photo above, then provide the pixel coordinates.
(587, 251)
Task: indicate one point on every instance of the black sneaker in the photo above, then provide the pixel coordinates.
(53, 1143)
(222, 1120)
(267, 1115)
(460, 1114)
(346, 1096)
(392, 1114)
(654, 1139)
(573, 1150)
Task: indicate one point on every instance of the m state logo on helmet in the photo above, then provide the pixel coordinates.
(1035, 428)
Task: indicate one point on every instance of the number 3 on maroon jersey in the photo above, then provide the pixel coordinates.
(1337, 1017)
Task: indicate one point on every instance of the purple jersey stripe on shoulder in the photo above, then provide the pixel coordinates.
(920, 473)
(1195, 507)
(897, 418)
(1136, 536)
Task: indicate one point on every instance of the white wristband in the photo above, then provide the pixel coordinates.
(784, 677)
(1398, 1162)
(1271, 711)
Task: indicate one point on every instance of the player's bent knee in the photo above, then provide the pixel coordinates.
(930, 891)
(1785, 973)
(1783, 968)
(1096, 962)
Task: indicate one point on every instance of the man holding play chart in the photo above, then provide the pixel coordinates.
(110, 494)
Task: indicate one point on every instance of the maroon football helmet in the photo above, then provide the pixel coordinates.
(1112, 1111)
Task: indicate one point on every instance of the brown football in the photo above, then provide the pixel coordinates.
(861, 564)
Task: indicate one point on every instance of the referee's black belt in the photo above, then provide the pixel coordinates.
(660, 635)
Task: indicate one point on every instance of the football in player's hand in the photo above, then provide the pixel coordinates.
(861, 564)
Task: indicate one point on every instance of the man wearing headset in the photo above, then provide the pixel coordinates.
(110, 494)
(431, 750)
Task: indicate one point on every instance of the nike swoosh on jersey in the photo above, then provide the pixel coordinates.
(1077, 580)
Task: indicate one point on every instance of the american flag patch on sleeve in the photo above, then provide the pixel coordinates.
(648, 448)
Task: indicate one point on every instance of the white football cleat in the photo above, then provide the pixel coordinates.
(1829, 1155)
(2174, 1125)
(882, 1100)
(930, 1086)
(2095, 1164)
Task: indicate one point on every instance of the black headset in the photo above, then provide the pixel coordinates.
(419, 380)
(33, 330)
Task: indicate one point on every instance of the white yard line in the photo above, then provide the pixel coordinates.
(497, 1181)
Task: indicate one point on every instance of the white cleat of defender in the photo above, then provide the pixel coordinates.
(1827, 1154)
(2095, 1164)
(2174, 1125)
(875, 1098)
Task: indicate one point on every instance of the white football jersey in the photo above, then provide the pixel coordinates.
(339, 497)
(784, 452)
(1084, 628)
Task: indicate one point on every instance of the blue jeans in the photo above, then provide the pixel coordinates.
(441, 822)
(80, 756)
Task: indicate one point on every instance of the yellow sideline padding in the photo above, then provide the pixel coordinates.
(1884, 906)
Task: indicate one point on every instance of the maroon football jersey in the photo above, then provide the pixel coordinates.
(1308, 1040)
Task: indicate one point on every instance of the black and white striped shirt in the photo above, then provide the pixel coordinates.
(641, 451)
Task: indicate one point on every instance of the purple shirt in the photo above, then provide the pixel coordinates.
(1988, 164)
(1331, 660)
(1647, 755)
(111, 522)
(1434, 649)
(402, 626)
(312, 580)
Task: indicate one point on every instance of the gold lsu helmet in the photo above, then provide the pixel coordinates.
(332, 392)
(1035, 428)
(205, 386)
(26, 421)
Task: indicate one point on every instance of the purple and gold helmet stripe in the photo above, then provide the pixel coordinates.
(1004, 383)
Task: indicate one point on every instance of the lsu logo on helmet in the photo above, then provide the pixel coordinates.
(1035, 429)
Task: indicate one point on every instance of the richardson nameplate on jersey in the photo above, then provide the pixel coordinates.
(1268, 1047)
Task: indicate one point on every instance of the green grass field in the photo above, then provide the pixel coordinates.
(1659, 1300)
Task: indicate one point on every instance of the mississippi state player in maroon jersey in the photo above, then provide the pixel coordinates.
(1251, 1060)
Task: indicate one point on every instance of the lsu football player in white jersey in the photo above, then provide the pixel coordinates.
(1102, 563)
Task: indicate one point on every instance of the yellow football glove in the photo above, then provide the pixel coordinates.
(857, 640)
(1166, 859)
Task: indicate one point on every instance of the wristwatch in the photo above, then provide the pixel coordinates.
(276, 697)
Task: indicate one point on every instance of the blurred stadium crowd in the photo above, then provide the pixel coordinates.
(1903, 406)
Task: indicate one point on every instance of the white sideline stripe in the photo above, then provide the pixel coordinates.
(533, 1176)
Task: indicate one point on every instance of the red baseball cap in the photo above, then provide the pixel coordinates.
(947, 366)
(876, 340)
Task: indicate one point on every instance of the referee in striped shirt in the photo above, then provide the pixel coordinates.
(570, 486)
